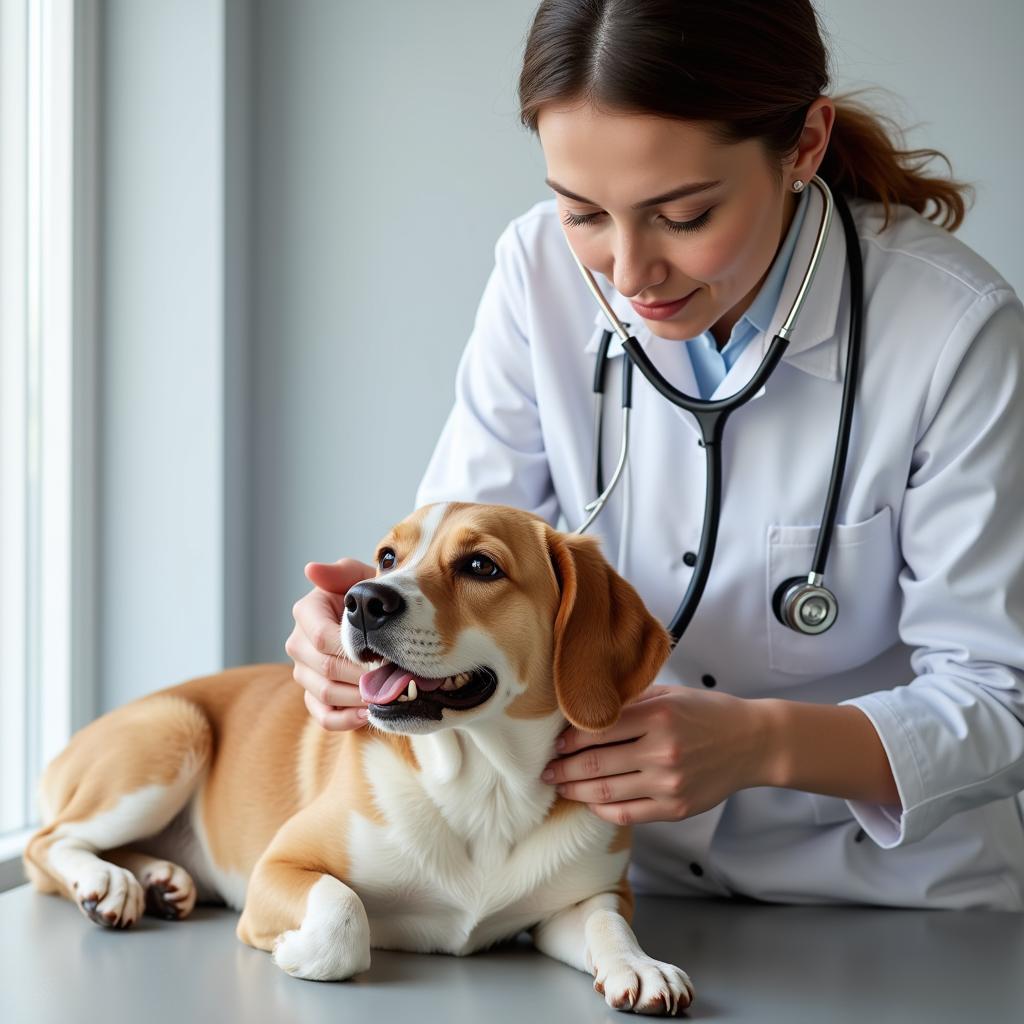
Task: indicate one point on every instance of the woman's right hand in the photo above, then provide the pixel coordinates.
(330, 680)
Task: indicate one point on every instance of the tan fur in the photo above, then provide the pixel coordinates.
(622, 840)
(404, 537)
(284, 888)
(627, 901)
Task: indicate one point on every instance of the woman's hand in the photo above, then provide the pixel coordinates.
(673, 753)
(331, 681)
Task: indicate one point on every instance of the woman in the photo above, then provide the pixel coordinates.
(878, 762)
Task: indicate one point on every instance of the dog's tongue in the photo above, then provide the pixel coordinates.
(386, 684)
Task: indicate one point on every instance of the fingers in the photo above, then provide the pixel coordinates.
(330, 680)
(632, 724)
(655, 690)
(333, 694)
(597, 764)
(337, 577)
(627, 728)
(317, 615)
(608, 790)
(331, 702)
(631, 812)
(327, 667)
(318, 618)
(334, 719)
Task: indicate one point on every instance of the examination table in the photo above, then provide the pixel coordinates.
(749, 962)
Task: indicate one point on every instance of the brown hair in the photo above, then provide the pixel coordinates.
(751, 68)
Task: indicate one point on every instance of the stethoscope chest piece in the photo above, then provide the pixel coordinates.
(804, 605)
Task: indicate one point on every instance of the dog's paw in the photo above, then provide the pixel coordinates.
(642, 985)
(333, 941)
(109, 895)
(170, 891)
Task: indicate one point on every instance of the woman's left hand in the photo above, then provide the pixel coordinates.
(673, 753)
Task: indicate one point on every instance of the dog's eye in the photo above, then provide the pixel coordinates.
(386, 559)
(483, 567)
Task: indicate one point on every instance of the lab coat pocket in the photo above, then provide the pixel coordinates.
(861, 571)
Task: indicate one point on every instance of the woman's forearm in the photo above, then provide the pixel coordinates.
(826, 749)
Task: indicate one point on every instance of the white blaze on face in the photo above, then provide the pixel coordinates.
(418, 645)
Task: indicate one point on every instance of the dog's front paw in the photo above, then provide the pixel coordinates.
(107, 894)
(170, 891)
(333, 941)
(638, 983)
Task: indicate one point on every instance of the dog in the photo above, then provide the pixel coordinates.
(482, 634)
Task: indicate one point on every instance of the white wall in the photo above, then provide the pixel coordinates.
(958, 82)
(378, 157)
(387, 160)
(171, 309)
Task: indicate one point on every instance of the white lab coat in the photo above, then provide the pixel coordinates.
(927, 560)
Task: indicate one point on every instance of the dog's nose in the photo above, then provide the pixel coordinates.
(371, 605)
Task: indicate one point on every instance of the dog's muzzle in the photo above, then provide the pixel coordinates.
(374, 612)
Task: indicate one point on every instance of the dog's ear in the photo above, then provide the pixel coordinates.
(608, 647)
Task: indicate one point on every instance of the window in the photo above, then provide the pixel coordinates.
(47, 370)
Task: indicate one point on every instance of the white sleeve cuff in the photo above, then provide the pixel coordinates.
(890, 826)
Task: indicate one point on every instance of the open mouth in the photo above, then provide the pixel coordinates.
(395, 692)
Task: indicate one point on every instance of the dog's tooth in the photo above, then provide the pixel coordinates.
(455, 682)
(413, 692)
(404, 696)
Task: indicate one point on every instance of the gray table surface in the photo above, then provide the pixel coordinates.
(748, 961)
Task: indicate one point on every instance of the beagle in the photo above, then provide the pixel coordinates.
(429, 830)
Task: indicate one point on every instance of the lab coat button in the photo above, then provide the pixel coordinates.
(690, 558)
(708, 680)
(697, 870)
(859, 837)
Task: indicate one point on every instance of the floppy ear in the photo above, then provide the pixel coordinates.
(608, 646)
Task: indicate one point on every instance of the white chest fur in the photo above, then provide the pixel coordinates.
(464, 863)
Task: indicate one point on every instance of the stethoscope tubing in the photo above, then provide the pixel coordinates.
(856, 270)
(711, 416)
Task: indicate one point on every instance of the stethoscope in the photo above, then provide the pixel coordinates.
(804, 604)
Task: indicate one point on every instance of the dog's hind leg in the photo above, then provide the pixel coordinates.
(122, 778)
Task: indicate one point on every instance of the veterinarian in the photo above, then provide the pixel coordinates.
(878, 761)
